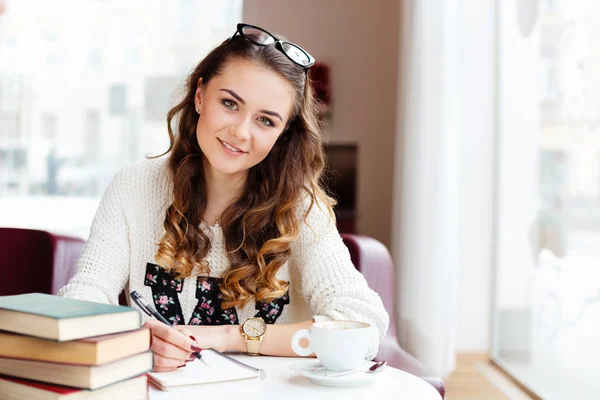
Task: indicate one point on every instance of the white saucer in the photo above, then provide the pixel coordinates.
(318, 376)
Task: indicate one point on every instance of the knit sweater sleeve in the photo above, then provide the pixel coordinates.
(103, 268)
(330, 283)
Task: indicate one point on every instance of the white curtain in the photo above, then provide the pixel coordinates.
(426, 229)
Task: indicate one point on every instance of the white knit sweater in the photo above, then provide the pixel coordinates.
(128, 226)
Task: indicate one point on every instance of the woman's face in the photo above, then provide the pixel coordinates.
(242, 113)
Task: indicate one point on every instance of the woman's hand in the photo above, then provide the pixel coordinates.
(172, 346)
(222, 338)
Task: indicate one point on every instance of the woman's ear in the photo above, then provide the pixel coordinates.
(199, 96)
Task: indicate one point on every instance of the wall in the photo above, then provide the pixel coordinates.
(359, 40)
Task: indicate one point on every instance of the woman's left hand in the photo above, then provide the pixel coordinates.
(219, 337)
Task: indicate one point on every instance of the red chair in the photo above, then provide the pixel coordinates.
(36, 261)
(373, 260)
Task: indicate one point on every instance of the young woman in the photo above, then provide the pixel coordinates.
(233, 227)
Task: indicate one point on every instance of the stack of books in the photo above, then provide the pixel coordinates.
(57, 348)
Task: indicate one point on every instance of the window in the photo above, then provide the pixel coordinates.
(49, 128)
(79, 101)
(547, 289)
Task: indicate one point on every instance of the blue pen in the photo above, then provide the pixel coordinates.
(145, 307)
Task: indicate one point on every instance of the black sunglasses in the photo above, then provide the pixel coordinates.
(260, 37)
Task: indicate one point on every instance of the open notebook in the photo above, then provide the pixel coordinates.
(222, 368)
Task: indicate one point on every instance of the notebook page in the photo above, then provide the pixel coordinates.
(196, 372)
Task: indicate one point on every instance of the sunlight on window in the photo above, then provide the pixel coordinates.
(84, 90)
(548, 279)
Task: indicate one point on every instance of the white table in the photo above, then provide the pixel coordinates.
(284, 383)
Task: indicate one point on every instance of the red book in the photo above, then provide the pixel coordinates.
(18, 389)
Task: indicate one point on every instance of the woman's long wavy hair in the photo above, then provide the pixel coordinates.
(260, 225)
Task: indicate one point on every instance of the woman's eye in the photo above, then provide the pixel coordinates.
(229, 104)
(265, 121)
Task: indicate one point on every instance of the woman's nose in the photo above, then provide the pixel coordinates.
(241, 130)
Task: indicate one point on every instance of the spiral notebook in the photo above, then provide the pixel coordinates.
(221, 368)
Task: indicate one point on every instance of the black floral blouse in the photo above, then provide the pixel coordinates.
(208, 310)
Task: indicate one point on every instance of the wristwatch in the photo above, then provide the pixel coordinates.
(253, 331)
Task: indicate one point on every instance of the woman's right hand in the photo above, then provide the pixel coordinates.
(172, 348)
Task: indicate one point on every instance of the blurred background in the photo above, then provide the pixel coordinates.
(463, 134)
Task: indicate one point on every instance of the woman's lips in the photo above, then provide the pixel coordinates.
(230, 150)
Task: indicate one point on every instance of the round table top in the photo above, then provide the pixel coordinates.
(284, 383)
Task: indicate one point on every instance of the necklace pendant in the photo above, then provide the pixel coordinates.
(216, 225)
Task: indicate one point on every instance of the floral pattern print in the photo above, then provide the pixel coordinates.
(164, 292)
(271, 311)
(208, 310)
(230, 316)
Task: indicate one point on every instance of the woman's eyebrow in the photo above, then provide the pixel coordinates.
(238, 98)
(234, 94)
(273, 113)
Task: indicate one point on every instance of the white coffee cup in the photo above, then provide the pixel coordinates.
(339, 345)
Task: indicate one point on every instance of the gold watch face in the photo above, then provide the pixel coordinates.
(254, 327)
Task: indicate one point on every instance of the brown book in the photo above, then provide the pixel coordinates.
(91, 351)
(18, 389)
(78, 376)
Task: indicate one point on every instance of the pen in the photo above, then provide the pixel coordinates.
(145, 307)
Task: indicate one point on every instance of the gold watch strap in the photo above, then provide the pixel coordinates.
(253, 346)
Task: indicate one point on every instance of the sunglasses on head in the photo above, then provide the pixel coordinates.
(260, 37)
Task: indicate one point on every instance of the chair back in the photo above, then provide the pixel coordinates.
(374, 262)
(36, 261)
